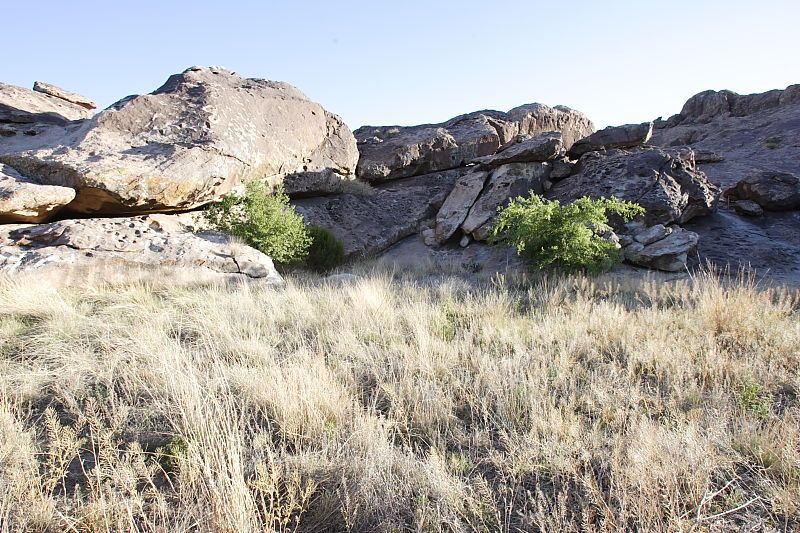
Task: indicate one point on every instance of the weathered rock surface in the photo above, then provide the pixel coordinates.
(776, 191)
(370, 223)
(23, 106)
(189, 142)
(22, 200)
(506, 182)
(750, 135)
(626, 136)
(746, 133)
(665, 182)
(392, 152)
(769, 245)
(69, 96)
(525, 149)
(458, 203)
(748, 208)
(670, 252)
(652, 234)
(145, 241)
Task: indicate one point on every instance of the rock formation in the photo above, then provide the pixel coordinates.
(391, 152)
(144, 241)
(661, 248)
(193, 140)
(627, 136)
(665, 182)
(370, 221)
(747, 145)
(431, 190)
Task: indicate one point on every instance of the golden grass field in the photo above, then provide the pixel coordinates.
(400, 402)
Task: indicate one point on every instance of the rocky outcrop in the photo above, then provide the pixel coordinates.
(666, 183)
(188, 143)
(152, 241)
(744, 139)
(661, 248)
(63, 94)
(521, 167)
(506, 182)
(22, 200)
(775, 191)
(457, 204)
(707, 106)
(392, 152)
(371, 221)
(737, 135)
(626, 136)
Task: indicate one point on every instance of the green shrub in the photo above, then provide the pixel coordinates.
(545, 232)
(326, 251)
(772, 142)
(266, 221)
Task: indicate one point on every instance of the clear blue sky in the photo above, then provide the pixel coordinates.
(408, 62)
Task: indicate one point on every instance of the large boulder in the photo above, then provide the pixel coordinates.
(392, 152)
(457, 204)
(775, 191)
(22, 200)
(151, 241)
(665, 182)
(525, 149)
(506, 182)
(371, 221)
(627, 136)
(201, 134)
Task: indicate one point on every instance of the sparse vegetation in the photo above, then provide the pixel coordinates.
(546, 233)
(389, 404)
(772, 142)
(265, 220)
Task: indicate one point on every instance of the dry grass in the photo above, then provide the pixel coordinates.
(392, 404)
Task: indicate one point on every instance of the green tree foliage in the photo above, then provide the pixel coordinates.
(266, 221)
(545, 232)
(326, 251)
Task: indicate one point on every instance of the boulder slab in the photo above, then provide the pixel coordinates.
(506, 182)
(69, 96)
(666, 183)
(669, 253)
(23, 106)
(151, 241)
(22, 200)
(627, 136)
(525, 149)
(458, 203)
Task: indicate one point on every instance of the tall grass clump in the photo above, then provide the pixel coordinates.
(400, 402)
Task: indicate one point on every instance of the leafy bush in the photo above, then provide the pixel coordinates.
(266, 221)
(326, 251)
(545, 232)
